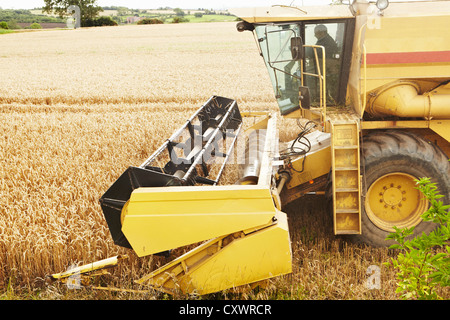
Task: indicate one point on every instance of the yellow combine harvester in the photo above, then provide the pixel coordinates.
(374, 81)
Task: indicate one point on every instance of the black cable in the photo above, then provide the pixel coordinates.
(295, 151)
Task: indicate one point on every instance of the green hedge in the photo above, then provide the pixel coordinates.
(98, 22)
(150, 21)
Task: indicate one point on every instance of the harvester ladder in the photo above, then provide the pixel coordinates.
(346, 177)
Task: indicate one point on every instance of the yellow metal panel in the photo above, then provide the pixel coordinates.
(347, 223)
(345, 135)
(278, 13)
(347, 179)
(159, 219)
(294, 114)
(405, 34)
(228, 261)
(441, 127)
(413, 47)
(394, 124)
(346, 158)
(409, 41)
(347, 201)
(316, 164)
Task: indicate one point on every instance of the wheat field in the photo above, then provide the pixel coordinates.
(80, 106)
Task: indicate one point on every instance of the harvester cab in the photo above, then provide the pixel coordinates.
(307, 60)
(349, 56)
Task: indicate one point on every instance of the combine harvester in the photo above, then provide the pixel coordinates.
(388, 68)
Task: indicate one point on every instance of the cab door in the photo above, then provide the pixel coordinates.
(307, 67)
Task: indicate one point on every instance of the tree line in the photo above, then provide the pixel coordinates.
(12, 16)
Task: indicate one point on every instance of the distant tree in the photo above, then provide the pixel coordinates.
(3, 25)
(35, 26)
(179, 19)
(88, 8)
(122, 11)
(12, 24)
(150, 21)
(198, 14)
(179, 12)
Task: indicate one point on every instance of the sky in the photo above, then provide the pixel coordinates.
(184, 4)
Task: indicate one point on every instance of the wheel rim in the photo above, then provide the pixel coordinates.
(393, 200)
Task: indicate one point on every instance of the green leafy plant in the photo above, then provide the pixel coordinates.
(3, 25)
(178, 19)
(35, 26)
(424, 262)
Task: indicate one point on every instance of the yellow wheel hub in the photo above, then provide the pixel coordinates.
(393, 200)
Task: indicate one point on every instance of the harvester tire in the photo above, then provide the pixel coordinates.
(390, 161)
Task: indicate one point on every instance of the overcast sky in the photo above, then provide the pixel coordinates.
(184, 4)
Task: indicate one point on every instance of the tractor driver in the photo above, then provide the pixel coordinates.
(325, 40)
(332, 63)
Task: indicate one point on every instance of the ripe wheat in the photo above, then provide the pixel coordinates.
(80, 106)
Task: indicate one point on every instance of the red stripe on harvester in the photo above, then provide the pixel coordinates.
(408, 57)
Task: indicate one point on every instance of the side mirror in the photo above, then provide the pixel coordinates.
(244, 25)
(304, 97)
(297, 48)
